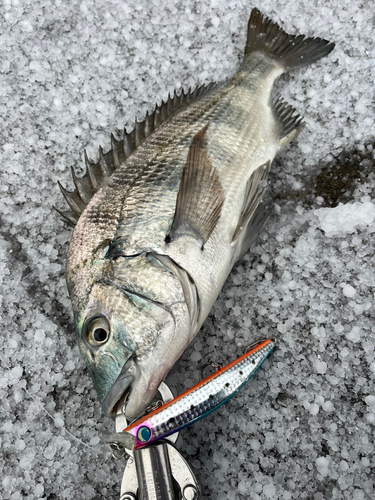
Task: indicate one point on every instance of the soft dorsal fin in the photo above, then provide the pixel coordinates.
(289, 121)
(96, 173)
(201, 195)
(254, 191)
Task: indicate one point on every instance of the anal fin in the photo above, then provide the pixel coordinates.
(289, 121)
(201, 195)
(253, 229)
(254, 191)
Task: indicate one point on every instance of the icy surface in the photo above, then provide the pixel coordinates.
(346, 219)
(303, 428)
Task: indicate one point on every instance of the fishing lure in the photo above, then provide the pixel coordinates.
(195, 403)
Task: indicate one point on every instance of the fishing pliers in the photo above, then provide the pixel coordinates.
(158, 471)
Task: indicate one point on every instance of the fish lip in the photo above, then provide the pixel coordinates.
(119, 388)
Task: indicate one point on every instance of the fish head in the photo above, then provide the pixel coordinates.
(132, 327)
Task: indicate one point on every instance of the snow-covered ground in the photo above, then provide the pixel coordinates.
(303, 428)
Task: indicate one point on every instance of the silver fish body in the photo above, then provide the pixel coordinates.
(158, 231)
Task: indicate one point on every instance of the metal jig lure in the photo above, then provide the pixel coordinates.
(195, 403)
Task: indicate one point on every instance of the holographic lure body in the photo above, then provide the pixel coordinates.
(197, 402)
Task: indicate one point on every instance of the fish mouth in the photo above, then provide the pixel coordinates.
(120, 387)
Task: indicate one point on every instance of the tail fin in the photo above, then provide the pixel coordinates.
(290, 50)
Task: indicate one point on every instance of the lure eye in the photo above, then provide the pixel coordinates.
(143, 434)
(98, 332)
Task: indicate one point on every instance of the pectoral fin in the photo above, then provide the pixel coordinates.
(200, 197)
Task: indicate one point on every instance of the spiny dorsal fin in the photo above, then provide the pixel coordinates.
(289, 121)
(254, 191)
(93, 179)
(201, 195)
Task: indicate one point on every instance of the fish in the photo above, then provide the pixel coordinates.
(161, 218)
(195, 403)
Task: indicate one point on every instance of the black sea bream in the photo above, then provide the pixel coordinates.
(162, 217)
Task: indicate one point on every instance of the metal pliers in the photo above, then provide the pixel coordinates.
(157, 472)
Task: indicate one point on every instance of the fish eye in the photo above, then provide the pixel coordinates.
(98, 332)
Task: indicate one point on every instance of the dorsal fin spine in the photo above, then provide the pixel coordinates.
(90, 172)
(157, 117)
(139, 133)
(115, 151)
(83, 194)
(163, 111)
(73, 200)
(131, 140)
(126, 145)
(170, 105)
(69, 218)
(103, 164)
(148, 125)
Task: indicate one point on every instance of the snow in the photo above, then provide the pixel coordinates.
(348, 290)
(322, 464)
(345, 219)
(73, 72)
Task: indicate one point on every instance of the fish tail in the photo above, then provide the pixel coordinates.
(290, 51)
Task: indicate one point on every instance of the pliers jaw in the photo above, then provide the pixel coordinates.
(157, 472)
